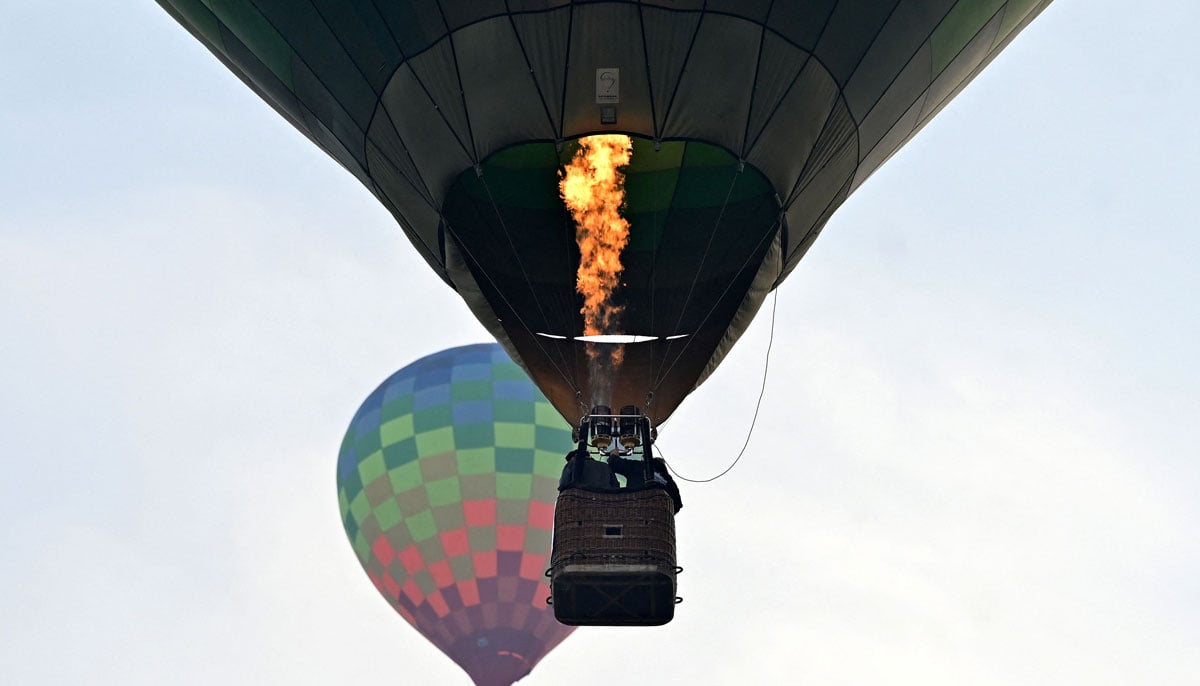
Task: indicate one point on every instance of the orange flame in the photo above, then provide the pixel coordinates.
(593, 188)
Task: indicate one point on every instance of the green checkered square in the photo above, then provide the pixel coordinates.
(360, 507)
(514, 486)
(421, 526)
(470, 390)
(436, 441)
(547, 463)
(396, 407)
(362, 548)
(514, 460)
(372, 467)
(512, 411)
(400, 453)
(388, 514)
(474, 436)
(544, 414)
(443, 491)
(476, 461)
(512, 435)
(430, 418)
(405, 477)
(396, 430)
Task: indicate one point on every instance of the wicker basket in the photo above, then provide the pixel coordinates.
(613, 561)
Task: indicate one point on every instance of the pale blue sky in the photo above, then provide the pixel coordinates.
(976, 461)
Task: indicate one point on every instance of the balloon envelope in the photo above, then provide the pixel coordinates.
(753, 121)
(447, 480)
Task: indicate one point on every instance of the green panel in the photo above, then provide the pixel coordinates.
(958, 28)
(397, 407)
(401, 453)
(514, 460)
(696, 155)
(646, 159)
(362, 548)
(443, 491)
(372, 467)
(544, 414)
(537, 156)
(509, 372)
(513, 435)
(551, 438)
(436, 441)
(368, 443)
(514, 411)
(477, 461)
(470, 390)
(360, 507)
(514, 486)
(421, 526)
(388, 515)
(395, 430)
(474, 436)
(406, 477)
(343, 502)
(650, 191)
(432, 418)
(546, 463)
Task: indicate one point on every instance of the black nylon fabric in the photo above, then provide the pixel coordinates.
(408, 95)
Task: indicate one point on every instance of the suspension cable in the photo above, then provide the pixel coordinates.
(757, 406)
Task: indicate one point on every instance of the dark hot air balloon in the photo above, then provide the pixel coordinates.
(750, 122)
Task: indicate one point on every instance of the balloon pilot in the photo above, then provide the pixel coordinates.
(598, 460)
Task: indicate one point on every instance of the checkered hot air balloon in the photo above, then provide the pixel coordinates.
(447, 479)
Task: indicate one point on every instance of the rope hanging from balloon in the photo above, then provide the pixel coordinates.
(758, 405)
